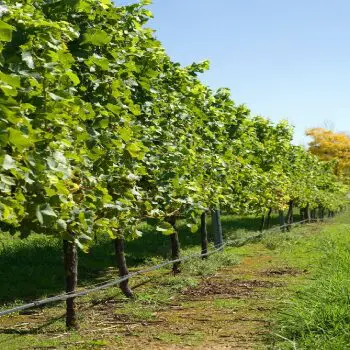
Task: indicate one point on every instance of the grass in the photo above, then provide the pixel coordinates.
(34, 266)
(34, 269)
(318, 314)
(192, 339)
(154, 293)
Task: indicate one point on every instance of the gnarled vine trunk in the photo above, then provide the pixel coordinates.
(71, 277)
(122, 266)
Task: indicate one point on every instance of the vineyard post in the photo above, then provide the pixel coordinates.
(322, 213)
(281, 218)
(217, 227)
(71, 276)
(319, 213)
(204, 235)
(175, 245)
(268, 221)
(313, 214)
(262, 223)
(290, 215)
(308, 214)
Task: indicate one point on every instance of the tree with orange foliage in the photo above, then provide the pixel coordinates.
(332, 146)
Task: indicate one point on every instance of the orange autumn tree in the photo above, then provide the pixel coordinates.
(332, 146)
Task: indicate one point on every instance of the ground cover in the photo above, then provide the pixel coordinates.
(238, 299)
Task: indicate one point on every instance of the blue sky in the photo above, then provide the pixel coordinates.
(283, 59)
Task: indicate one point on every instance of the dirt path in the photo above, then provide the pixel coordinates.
(231, 310)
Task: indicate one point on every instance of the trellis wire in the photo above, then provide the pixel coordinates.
(114, 282)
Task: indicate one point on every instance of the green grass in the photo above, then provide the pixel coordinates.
(192, 339)
(154, 292)
(37, 261)
(34, 269)
(318, 316)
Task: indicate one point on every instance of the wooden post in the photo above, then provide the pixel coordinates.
(217, 228)
(71, 276)
(322, 213)
(262, 223)
(204, 235)
(268, 220)
(290, 215)
(281, 218)
(308, 214)
(313, 214)
(175, 246)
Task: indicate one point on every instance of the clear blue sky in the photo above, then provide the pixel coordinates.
(284, 59)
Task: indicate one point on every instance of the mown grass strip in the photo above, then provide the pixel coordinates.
(318, 315)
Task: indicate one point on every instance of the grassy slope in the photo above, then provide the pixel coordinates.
(204, 307)
(319, 314)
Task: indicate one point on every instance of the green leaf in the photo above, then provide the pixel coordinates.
(12, 80)
(55, 97)
(194, 228)
(135, 110)
(165, 228)
(146, 2)
(102, 62)
(104, 123)
(136, 150)
(73, 77)
(9, 84)
(84, 236)
(9, 163)
(48, 211)
(6, 212)
(82, 6)
(125, 134)
(7, 180)
(113, 108)
(62, 224)
(105, 3)
(28, 59)
(18, 139)
(39, 216)
(96, 37)
(5, 31)
(79, 244)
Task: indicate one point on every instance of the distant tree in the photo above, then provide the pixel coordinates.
(329, 145)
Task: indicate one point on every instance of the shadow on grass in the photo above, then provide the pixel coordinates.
(32, 329)
(33, 267)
